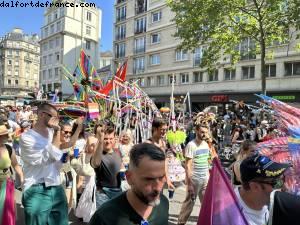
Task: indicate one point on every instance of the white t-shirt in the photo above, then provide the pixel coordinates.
(254, 217)
(200, 155)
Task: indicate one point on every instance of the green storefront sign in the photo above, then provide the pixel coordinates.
(284, 97)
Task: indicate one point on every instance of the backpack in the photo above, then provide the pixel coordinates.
(10, 151)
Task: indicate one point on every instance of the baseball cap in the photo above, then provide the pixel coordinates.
(259, 166)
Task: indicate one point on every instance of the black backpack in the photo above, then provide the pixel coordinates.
(10, 151)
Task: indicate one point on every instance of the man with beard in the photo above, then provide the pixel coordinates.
(143, 203)
(44, 199)
(197, 154)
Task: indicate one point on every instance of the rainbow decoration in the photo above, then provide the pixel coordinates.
(93, 110)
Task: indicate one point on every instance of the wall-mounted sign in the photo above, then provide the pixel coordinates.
(219, 98)
(284, 97)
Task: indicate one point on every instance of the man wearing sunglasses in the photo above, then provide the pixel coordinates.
(44, 199)
(260, 176)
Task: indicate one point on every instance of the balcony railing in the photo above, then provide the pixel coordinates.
(121, 18)
(139, 10)
(138, 70)
(120, 36)
(140, 30)
(140, 49)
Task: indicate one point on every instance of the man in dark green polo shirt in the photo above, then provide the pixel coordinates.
(143, 204)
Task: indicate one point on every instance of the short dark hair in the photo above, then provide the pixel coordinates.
(145, 149)
(109, 130)
(158, 122)
(46, 106)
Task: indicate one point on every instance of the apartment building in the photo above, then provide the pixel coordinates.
(65, 32)
(143, 34)
(19, 63)
(105, 59)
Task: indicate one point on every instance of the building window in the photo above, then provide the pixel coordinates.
(62, 11)
(171, 78)
(16, 63)
(49, 73)
(57, 40)
(9, 53)
(9, 82)
(44, 60)
(49, 18)
(52, 29)
(88, 45)
(292, 68)
(44, 75)
(271, 70)
(198, 76)
(139, 45)
(229, 74)
(45, 46)
(46, 32)
(181, 55)
(150, 81)
(9, 62)
(184, 78)
(120, 50)
(55, 14)
(198, 53)
(213, 75)
(155, 59)
(17, 53)
(121, 13)
(121, 32)
(140, 6)
(248, 72)
(16, 82)
(139, 65)
(160, 80)
(155, 38)
(50, 58)
(27, 83)
(16, 71)
(88, 30)
(56, 72)
(156, 16)
(58, 26)
(248, 49)
(51, 44)
(57, 56)
(49, 87)
(88, 16)
(140, 25)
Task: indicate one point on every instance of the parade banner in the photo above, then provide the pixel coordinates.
(220, 204)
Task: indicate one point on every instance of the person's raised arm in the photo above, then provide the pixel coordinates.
(75, 136)
(97, 157)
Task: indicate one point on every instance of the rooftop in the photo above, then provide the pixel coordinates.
(17, 35)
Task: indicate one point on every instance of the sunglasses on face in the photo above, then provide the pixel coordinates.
(67, 132)
(276, 184)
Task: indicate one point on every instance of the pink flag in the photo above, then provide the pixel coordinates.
(220, 205)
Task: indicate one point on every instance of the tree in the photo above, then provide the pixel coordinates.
(221, 25)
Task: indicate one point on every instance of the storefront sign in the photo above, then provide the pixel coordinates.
(219, 98)
(284, 97)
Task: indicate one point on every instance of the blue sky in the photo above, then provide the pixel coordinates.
(31, 19)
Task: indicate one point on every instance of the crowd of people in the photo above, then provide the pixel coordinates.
(104, 177)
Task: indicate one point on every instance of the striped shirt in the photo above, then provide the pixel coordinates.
(200, 155)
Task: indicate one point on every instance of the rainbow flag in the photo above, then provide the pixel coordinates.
(220, 204)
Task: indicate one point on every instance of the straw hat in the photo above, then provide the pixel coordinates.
(3, 130)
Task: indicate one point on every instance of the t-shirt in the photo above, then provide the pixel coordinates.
(118, 211)
(200, 155)
(254, 217)
(286, 209)
(107, 172)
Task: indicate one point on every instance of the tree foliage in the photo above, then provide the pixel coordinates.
(221, 25)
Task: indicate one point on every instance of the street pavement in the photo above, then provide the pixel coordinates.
(175, 205)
